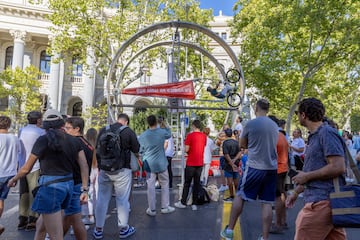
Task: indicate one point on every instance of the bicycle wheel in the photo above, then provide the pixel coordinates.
(234, 99)
(233, 75)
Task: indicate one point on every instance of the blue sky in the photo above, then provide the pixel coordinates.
(224, 5)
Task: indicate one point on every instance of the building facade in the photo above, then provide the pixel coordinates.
(65, 85)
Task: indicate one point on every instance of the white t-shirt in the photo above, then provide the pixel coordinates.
(10, 151)
(169, 151)
(298, 143)
(239, 127)
(209, 147)
(28, 135)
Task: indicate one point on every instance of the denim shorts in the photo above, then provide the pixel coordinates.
(54, 197)
(74, 206)
(257, 183)
(233, 175)
(4, 189)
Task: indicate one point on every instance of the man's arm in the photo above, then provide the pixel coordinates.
(334, 168)
(243, 143)
(187, 148)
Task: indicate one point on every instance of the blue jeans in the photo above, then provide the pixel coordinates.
(121, 181)
(54, 197)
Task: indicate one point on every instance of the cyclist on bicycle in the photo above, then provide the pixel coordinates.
(219, 94)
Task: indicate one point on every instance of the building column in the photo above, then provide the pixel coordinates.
(89, 79)
(19, 47)
(53, 99)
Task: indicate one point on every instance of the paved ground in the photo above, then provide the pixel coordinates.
(183, 224)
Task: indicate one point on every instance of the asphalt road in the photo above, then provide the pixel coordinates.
(183, 224)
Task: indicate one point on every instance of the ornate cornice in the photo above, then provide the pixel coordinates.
(32, 12)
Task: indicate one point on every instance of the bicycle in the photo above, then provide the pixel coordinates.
(229, 92)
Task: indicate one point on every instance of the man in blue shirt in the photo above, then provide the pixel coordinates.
(324, 160)
(155, 163)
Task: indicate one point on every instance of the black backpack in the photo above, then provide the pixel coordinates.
(108, 150)
(202, 197)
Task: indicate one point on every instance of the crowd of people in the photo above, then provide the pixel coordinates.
(63, 184)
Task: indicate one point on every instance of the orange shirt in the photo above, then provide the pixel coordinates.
(282, 148)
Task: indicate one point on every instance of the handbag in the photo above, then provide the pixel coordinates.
(345, 200)
(36, 189)
(134, 164)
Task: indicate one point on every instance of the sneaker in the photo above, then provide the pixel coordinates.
(47, 237)
(194, 207)
(229, 199)
(128, 232)
(285, 226)
(229, 235)
(88, 220)
(22, 224)
(223, 188)
(98, 234)
(169, 209)
(276, 230)
(150, 212)
(179, 205)
(260, 238)
(30, 227)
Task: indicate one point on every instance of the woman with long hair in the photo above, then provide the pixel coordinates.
(57, 153)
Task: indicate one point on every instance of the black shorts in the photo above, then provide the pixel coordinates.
(280, 183)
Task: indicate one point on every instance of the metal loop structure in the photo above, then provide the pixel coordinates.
(164, 25)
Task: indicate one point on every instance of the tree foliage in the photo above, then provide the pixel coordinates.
(102, 25)
(296, 49)
(22, 87)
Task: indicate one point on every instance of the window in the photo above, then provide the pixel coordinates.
(9, 56)
(77, 109)
(45, 61)
(224, 35)
(77, 68)
(4, 102)
(44, 102)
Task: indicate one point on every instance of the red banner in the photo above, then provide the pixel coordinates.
(184, 89)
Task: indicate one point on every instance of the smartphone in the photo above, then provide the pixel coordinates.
(292, 173)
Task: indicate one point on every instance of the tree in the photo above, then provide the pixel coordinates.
(296, 49)
(102, 25)
(22, 86)
(355, 123)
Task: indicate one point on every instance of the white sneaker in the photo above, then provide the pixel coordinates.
(150, 212)
(223, 188)
(194, 207)
(179, 205)
(88, 220)
(169, 209)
